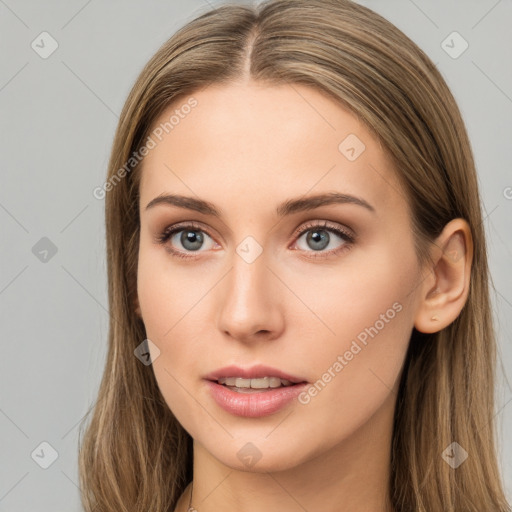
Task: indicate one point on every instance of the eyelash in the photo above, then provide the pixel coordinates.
(349, 239)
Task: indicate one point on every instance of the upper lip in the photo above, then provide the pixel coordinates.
(253, 372)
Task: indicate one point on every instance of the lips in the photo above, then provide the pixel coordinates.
(253, 399)
(253, 372)
(253, 403)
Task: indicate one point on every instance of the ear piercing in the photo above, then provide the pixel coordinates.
(435, 318)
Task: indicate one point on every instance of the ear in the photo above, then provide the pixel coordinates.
(137, 310)
(444, 292)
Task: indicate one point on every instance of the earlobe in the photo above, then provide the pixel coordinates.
(444, 294)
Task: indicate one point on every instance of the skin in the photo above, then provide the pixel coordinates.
(247, 147)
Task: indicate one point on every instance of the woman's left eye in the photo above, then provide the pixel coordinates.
(192, 237)
(318, 235)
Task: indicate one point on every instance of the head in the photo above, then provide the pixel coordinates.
(292, 100)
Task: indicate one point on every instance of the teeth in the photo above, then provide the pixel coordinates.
(262, 383)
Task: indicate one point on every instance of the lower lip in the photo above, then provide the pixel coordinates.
(254, 404)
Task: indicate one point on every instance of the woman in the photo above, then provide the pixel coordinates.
(298, 278)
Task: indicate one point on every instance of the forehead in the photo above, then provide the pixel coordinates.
(265, 143)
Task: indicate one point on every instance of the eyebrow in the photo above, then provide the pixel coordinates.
(288, 207)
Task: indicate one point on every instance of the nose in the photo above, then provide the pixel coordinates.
(250, 308)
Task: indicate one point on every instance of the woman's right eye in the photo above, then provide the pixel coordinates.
(189, 236)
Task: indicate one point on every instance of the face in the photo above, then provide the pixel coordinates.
(321, 291)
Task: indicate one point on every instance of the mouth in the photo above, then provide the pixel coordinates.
(255, 379)
(258, 385)
(255, 392)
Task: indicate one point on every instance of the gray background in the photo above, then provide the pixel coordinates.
(58, 117)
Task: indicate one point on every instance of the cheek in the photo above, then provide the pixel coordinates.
(166, 291)
(360, 294)
(366, 312)
(164, 305)
(168, 310)
(355, 381)
(171, 300)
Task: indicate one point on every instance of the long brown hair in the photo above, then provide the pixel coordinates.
(135, 456)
